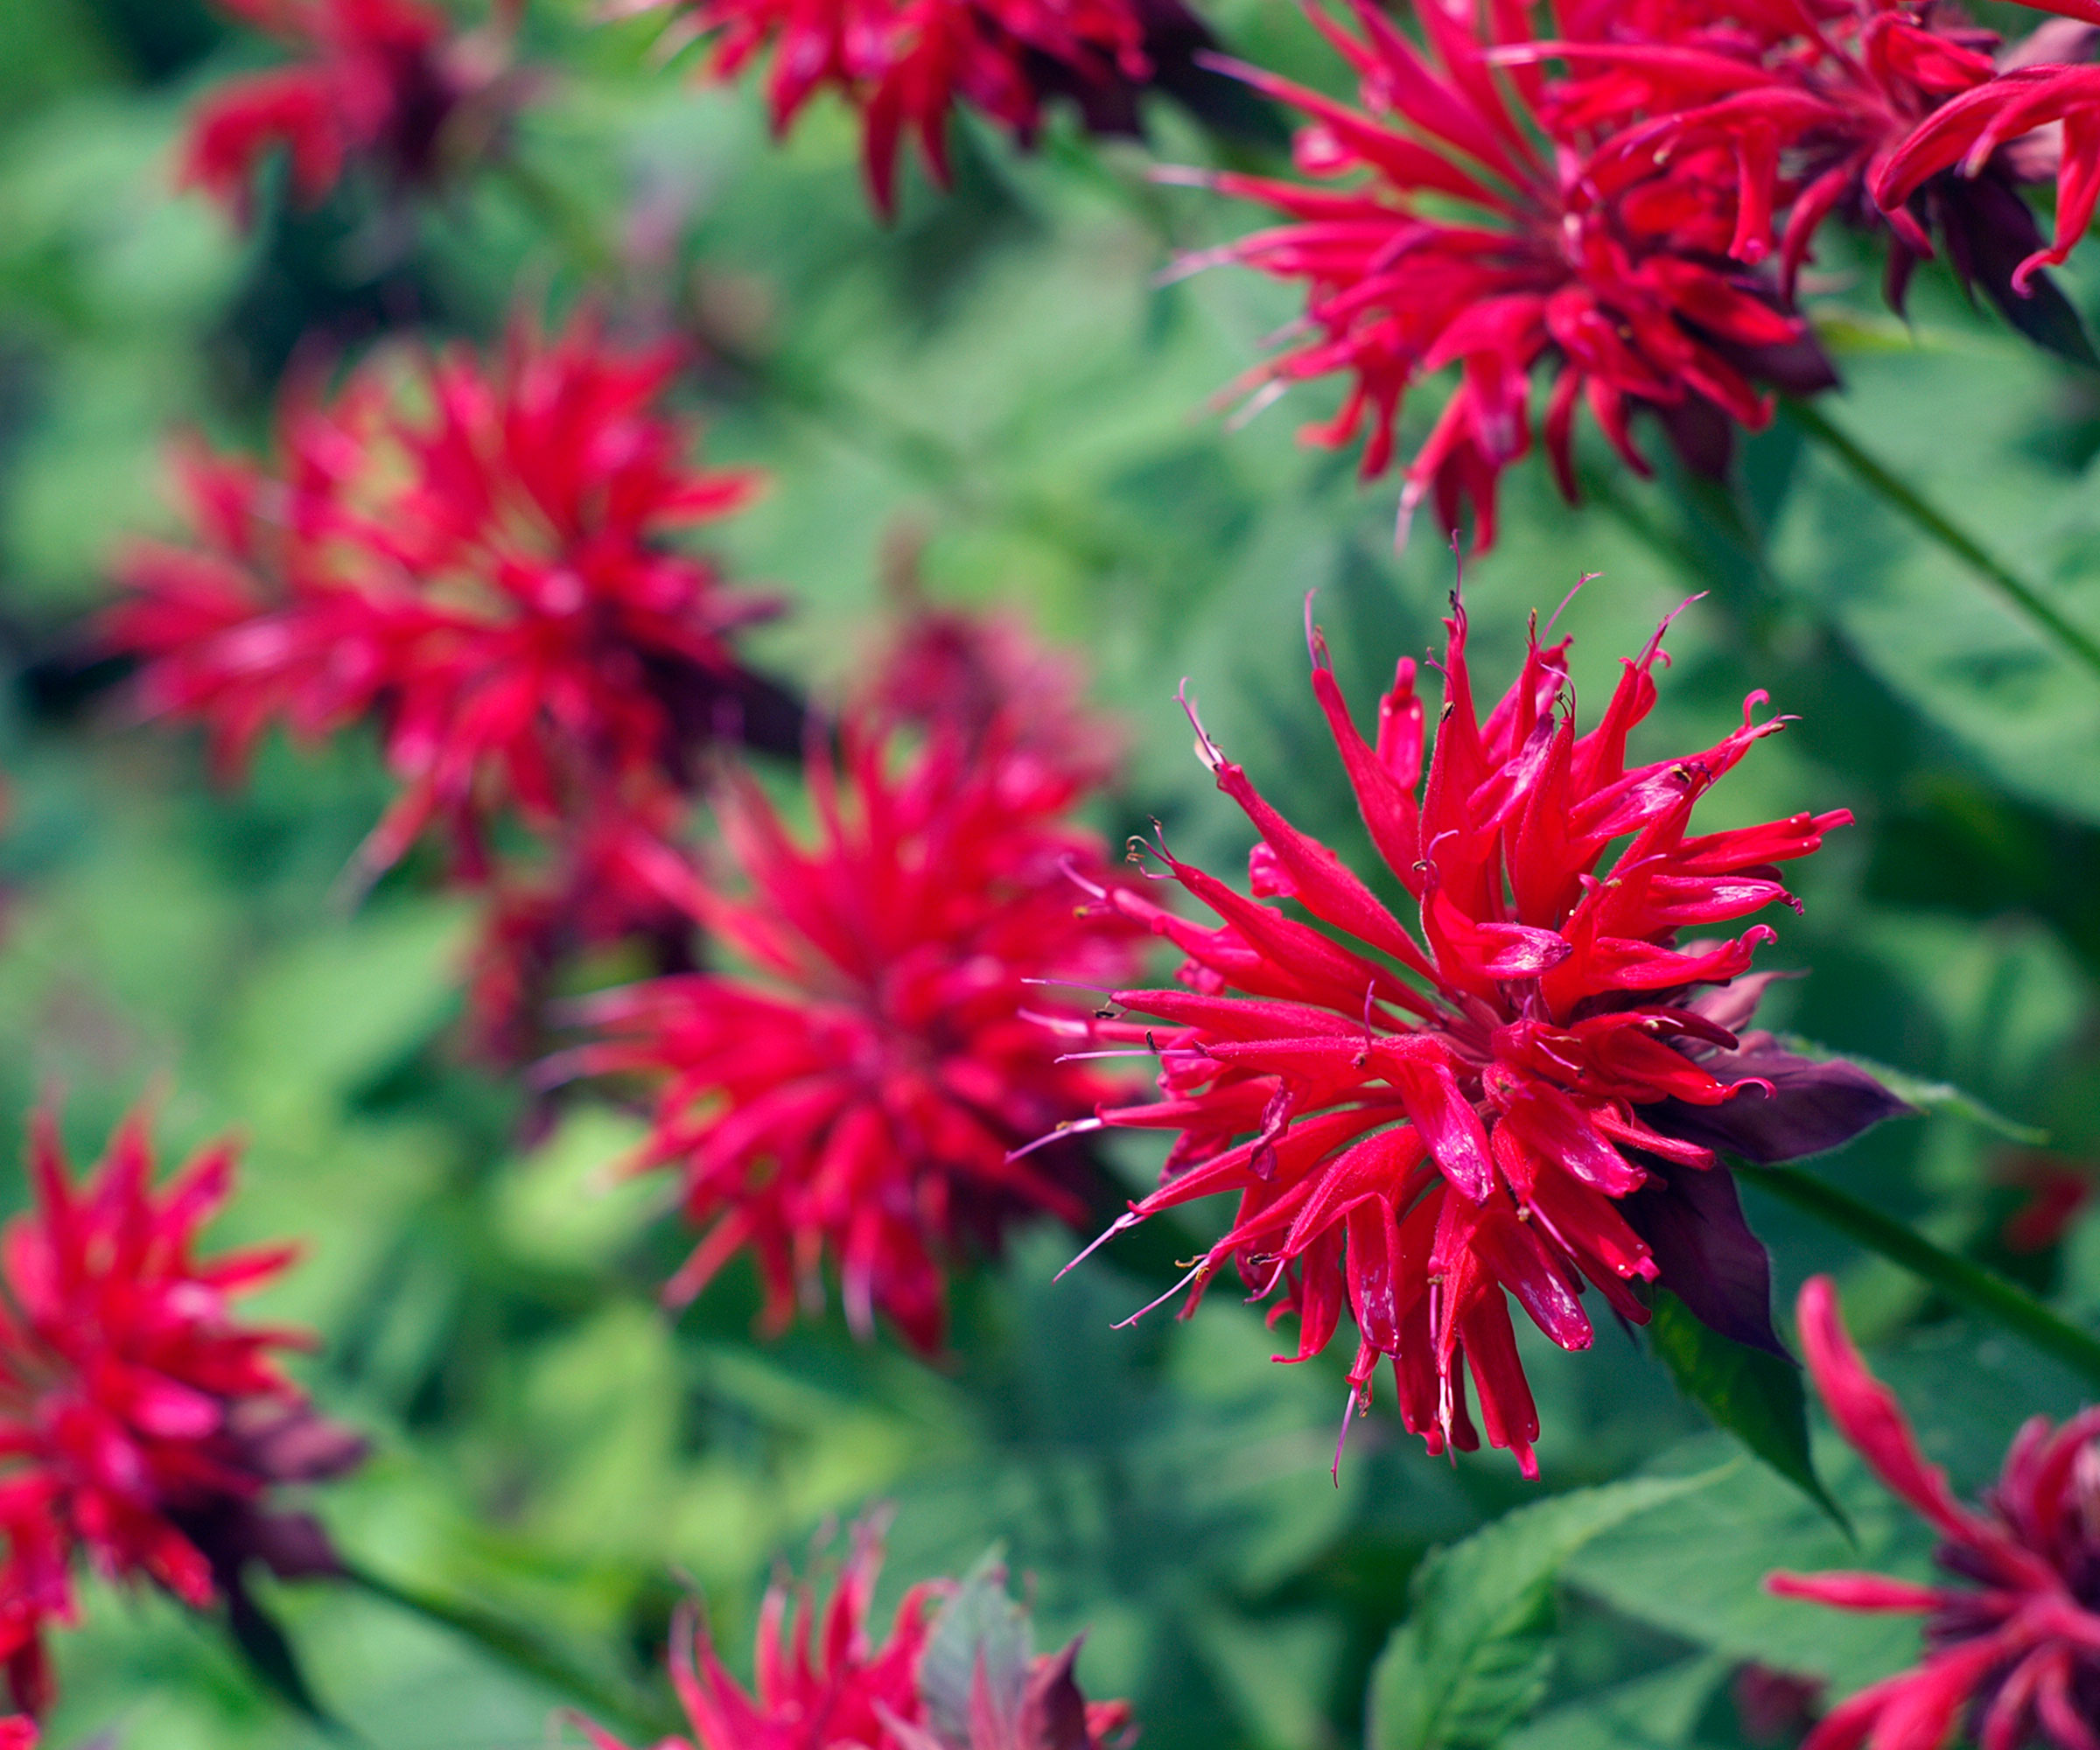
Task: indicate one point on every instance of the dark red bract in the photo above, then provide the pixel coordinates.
(142, 1426)
(853, 1093)
(2013, 1638)
(1521, 1098)
(383, 84)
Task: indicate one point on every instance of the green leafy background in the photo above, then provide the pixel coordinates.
(998, 385)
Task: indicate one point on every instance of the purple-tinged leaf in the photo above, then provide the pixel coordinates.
(1814, 1105)
(1054, 1712)
(1693, 1222)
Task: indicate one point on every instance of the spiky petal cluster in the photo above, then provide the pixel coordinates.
(2013, 1638)
(478, 558)
(386, 85)
(1904, 118)
(142, 1424)
(852, 1094)
(1603, 206)
(905, 65)
(947, 1677)
(1521, 1098)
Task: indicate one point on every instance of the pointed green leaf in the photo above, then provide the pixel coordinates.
(980, 1625)
(271, 1657)
(1752, 1394)
(1474, 1656)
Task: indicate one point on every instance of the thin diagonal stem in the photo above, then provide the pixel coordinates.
(1922, 514)
(524, 1653)
(1966, 1283)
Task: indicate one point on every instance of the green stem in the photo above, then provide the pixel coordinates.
(524, 1653)
(1966, 1283)
(1925, 516)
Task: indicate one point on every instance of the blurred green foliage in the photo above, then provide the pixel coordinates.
(997, 387)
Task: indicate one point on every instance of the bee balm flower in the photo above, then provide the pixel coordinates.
(479, 560)
(854, 1092)
(1911, 119)
(382, 83)
(2012, 1637)
(1468, 228)
(947, 1677)
(1521, 1096)
(142, 1424)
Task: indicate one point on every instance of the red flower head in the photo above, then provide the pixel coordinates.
(380, 83)
(1526, 1094)
(140, 1423)
(854, 1091)
(954, 1675)
(478, 558)
(17, 1733)
(906, 64)
(1473, 231)
(2013, 1643)
(1862, 110)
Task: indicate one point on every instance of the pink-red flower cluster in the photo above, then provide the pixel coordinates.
(1606, 206)
(940, 1682)
(478, 558)
(852, 1094)
(17, 1732)
(905, 65)
(142, 1424)
(386, 85)
(1525, 1097)
(2013, 1639)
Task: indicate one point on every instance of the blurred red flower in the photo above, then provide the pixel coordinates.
(2012, 1646)
(141, 1423)
(475, 556)
(384, 84)
(906, 64)
(855, 1092)
(1528, 1095)
(952, 1676)
(2055, 1190)
(17, 1733)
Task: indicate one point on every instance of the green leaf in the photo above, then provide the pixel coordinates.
(980, 1626)
(273, 1659)
(1929, 1096)
(1695, 1568)
(1986, 626)
(1751, 1393)
(1474, 1656)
